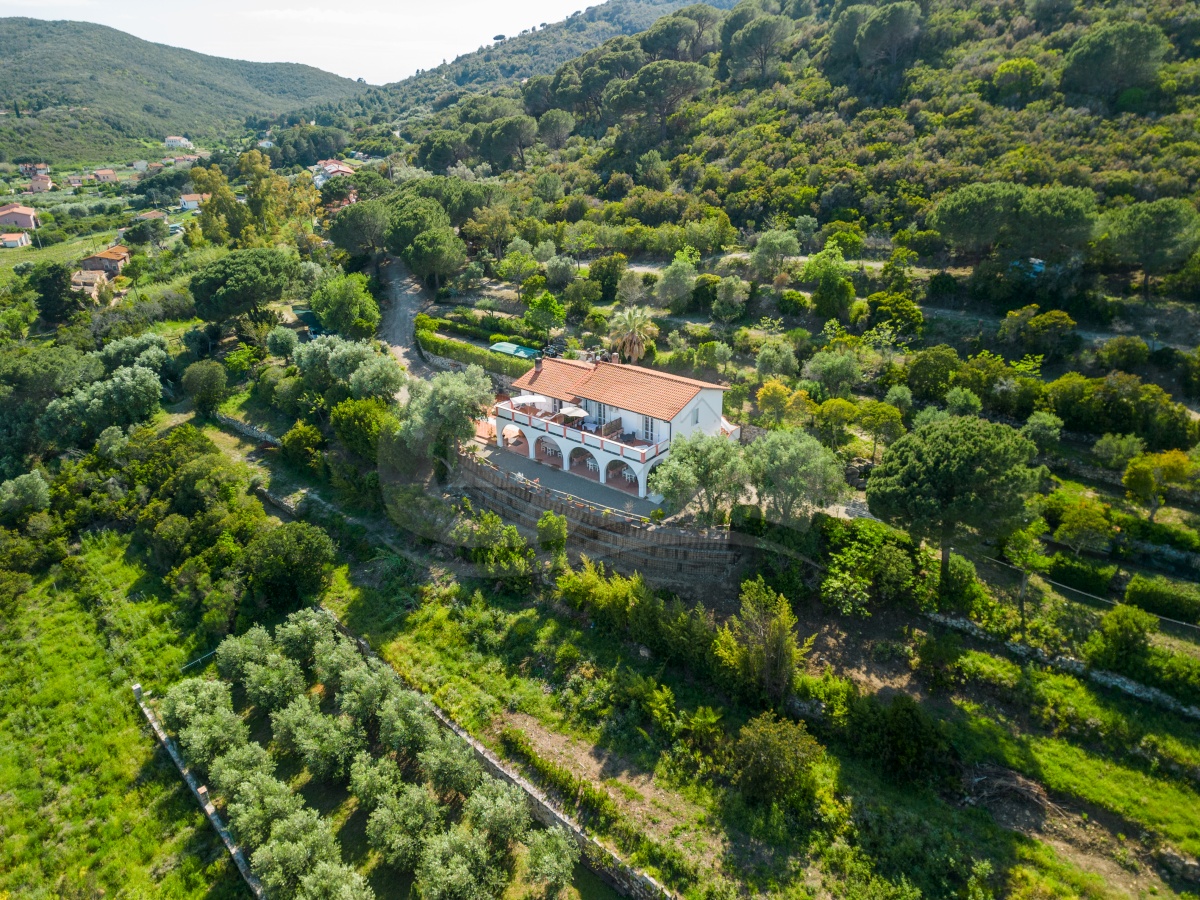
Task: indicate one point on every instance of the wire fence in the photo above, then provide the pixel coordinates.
(1187, 630)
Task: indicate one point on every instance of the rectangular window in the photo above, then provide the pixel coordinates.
(696, 416)
(647, 428)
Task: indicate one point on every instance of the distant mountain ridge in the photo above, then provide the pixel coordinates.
(79, 92)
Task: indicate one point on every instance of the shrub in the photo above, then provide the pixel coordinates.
(1082, 574)
(288, 564)
(302, 447)
(963, 589)
(1164, 597)
(204, 383)
(552, 532)
(773, 760)
(901, 736)
(1123, 639)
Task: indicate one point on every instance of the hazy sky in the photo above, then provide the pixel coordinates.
(377, 40)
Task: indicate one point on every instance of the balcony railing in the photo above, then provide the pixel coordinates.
(633, 453)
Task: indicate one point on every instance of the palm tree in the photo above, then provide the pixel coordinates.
(631, 329)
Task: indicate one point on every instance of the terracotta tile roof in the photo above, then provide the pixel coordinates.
(557, 378)
(195, 198)
(117, 252)
(637, 389)
(12, 237)
(17, 208)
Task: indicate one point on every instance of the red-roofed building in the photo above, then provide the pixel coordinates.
(40, 184)
(20, 216)
(192, 201)
(604, 420)
(12, 241)
(110, 261)
(106, 175)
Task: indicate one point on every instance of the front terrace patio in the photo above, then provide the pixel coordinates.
(620, 462)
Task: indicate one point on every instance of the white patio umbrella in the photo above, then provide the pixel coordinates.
(572, 410)
(530, 399)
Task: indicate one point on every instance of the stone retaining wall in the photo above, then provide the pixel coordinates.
(247, 430)
(611, 869)
(629, 543)
(1073, 666)
(200, 792)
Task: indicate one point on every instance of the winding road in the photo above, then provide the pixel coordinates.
(406, 298)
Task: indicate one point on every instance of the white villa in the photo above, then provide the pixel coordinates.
(607, 422)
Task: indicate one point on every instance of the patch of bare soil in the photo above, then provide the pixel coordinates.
(1092, 844)
(660, 813)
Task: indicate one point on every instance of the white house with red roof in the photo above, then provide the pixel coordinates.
(192, 201)
(606, 421)
(330, 168)
(12, 241)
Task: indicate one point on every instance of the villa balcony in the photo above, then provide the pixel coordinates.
(625, 447)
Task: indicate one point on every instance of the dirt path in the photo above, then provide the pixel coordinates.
(406, 298)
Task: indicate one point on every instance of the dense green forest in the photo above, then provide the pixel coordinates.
(76, 92)
(534, 51)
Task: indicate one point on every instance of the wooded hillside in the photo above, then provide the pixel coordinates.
(80, 92)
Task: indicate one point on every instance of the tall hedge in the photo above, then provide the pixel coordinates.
(511, 366)
(1164, 597)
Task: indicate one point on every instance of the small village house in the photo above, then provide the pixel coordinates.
(20, 216)
(110, 261)
(40, 184)
(105, 175)
(88, 282)
(606, 421)
(192, 201)
(17, 239)
(175, 142)
(330, 168)
(31, 169)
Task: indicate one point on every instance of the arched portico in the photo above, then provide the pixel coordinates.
(622, 476)
(547, 449)
(581, 461)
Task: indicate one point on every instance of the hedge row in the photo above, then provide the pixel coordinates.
(1082, 574)
(511, 366)
(482, 330)
(1164, 597)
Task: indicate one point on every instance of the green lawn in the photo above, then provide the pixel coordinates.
(89, 806)
(66, 252)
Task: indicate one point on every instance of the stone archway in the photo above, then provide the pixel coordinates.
(548, 450)
(622, 476)
(581, 461)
